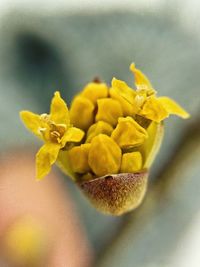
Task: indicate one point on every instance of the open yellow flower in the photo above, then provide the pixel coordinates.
(143, 100)
(54, 129)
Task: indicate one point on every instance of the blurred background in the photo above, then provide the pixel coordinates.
(61, 45)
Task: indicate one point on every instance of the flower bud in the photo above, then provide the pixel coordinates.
(100, 127)
(128, 133)
(109, 110)
(94, 91)
(81, 112)
(104, 155)
(107, 141)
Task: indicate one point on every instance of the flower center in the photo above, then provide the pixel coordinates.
(143, 89)
(57, 131)
(50, 130)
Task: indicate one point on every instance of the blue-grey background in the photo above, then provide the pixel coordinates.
(41, 52)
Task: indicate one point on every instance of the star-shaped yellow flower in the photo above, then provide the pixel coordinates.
(143, 100)
(54, 129)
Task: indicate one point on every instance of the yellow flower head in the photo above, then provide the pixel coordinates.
(123, 129)
(54, 129)
(143, 100)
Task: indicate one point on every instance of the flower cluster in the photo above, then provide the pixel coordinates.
(107, 131)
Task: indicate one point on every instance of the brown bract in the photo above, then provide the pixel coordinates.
(116, 194)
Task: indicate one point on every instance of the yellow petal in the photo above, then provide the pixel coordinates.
(173, 108)
(124, 90)
(78, 158)
(109, 110)
(72, 135)
(104, 155)
(151, 145)
(32, 121)
(141, 81)
(127, 107)
(131, 162)
(94, 91)
(154, 110)
(97, 128)
(82, 112)
(129, 133)
(59, 112)
(45, 157)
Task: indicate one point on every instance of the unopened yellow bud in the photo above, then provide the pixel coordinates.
(94, 91)
(104, 155)
(81, 112)
(129, 133)
(78, 158)
(97, 128)
(131, 162)
(109, 110)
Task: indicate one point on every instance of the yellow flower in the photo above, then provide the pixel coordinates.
(54, 129)
(123, 130)
(143, 100)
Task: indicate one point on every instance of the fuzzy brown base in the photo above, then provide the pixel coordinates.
(116, 194)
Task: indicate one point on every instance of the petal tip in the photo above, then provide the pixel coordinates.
(40, 174)
(113, 81)
(186, 115)
(132, 67)
(57, 93)
(22, 113)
